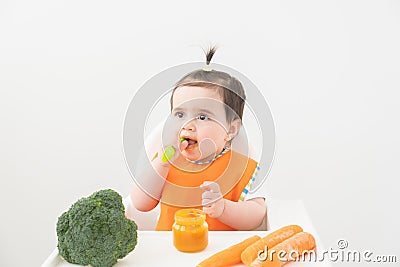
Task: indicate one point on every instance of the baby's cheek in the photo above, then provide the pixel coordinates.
(213, 133)
(211, 146)
(216, 133)
(208, 144)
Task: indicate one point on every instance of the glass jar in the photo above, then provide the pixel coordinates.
(190, 230)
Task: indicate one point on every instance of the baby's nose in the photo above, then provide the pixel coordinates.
(190, 126)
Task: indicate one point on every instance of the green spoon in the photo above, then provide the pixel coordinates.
(168, 154)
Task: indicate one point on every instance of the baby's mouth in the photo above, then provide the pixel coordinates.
(191, 142)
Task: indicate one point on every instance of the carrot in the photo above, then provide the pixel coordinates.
(272, 239)
(229, 256)
(289, 249)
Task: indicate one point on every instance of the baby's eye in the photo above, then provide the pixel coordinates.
(203, 117)
(179, 114)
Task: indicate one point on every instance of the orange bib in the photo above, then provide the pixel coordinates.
(232, 172)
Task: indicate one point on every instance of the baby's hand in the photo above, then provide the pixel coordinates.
(171, 144)
(212, 200)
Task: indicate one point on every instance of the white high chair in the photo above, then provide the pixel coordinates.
(148, 220)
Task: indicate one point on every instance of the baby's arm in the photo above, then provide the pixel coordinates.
(242, 215)
(152, 180)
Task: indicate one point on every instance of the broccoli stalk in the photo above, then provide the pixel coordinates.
(95, 230)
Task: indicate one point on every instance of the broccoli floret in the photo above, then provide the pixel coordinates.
(95, 230)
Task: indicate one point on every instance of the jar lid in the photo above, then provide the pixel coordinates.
(190, 216)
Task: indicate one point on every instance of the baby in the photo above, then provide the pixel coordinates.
(196, 166)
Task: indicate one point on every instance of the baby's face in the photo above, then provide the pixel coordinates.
(202, 114)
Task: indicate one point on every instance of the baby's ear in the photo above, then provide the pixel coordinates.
(234, 128)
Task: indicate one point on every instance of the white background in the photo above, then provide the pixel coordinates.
(329, 70)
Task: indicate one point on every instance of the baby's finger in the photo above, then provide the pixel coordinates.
(210, 195)
(210, 186)
(183, 145)
(205, 184)
(206, 202)
(208, 210)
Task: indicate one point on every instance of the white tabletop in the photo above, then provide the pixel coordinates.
(155, 247)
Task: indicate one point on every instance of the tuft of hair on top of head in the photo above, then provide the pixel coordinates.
(210, 53)
(230, 89)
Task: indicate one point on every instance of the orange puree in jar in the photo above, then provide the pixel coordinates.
(190, 230)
